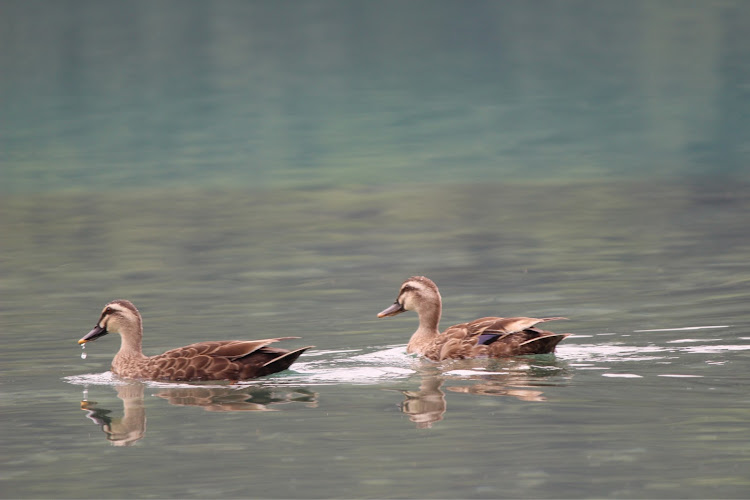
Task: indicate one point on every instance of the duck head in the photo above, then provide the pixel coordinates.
(116, 316)
(418, 294)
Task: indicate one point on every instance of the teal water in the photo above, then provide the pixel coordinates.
(254, 169)
(328, 92)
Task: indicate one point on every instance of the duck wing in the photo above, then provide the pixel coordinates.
(221, 360)
(495, 337)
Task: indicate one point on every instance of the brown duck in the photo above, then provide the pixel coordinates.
(214, 360)
(483, 337)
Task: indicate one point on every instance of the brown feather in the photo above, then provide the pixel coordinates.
(484, 337)
(212, 360)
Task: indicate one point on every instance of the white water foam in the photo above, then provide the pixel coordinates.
(683, 328)
(315, 368)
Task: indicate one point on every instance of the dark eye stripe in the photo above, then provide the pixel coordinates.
(406, 289)
(108, 311)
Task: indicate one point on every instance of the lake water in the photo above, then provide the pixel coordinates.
(253, 169)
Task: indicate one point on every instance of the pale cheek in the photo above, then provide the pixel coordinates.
(408, 304)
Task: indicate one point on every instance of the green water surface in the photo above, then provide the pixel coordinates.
(244, 170)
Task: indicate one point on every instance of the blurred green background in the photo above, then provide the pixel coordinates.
(95, 95)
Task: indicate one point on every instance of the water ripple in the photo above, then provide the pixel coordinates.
(676, 352)
(391, 363)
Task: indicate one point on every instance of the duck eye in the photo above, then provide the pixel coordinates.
(108, 310)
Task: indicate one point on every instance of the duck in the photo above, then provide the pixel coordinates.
(493, 337)
(232, 360)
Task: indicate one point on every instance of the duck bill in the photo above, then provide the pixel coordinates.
(395, 309)
(94, 334)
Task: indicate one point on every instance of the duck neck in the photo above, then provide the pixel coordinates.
(429, 321)
(130, 343)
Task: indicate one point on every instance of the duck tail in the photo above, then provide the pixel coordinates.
(283, 362)
(544, 344)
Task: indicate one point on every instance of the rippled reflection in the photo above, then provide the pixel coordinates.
(426, 405)
(247, 399)
(519, 378)
(131, 427)
(125, 430)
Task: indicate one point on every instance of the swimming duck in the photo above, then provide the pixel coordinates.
(483, 337)
(214, 360)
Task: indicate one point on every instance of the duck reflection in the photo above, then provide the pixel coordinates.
(247, 399)
(131, 427)
(426, 405)
(519, 379)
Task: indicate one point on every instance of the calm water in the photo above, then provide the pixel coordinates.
(245, 170)
(649, 399)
